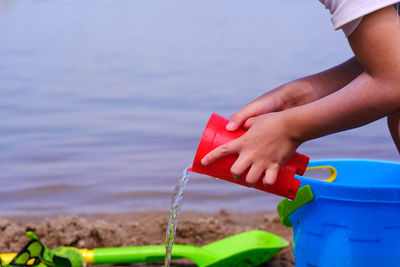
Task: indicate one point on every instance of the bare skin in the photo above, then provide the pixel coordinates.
(394, 127)
(357, 92)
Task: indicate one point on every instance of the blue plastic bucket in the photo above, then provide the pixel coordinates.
(352, 221)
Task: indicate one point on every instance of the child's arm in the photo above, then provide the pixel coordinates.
(394, 127)
(273, 137)
(298, 92)
(373, 94)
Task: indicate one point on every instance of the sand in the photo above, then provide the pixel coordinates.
(144, 228)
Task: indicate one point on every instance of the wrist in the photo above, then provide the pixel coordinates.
(296, 126)
(296, 93)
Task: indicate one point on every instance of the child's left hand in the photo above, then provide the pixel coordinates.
(264, 148)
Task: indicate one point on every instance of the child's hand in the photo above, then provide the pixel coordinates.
(264, 148)
(298, 92)
(269, 102)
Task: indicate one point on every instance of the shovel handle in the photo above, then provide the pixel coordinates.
(7, 257)
(127, 255)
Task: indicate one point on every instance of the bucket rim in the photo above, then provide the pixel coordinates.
(387, 193)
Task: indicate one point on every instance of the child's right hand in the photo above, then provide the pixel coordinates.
(263, 149)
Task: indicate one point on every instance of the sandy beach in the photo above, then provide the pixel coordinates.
(142, 228)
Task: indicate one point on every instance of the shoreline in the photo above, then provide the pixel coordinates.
(140, 228)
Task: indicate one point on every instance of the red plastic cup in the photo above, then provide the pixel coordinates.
(216, 134)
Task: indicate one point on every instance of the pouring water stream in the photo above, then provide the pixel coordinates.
(176, 203)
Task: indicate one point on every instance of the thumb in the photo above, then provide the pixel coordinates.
(249, 122)
(237, 119)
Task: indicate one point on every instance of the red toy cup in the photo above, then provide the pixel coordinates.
(216, 134)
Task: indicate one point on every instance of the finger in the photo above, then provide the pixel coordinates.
(249, 122)
(271, 174)
(240, 165)
(256, 170)
(219, 152)
(237, 119)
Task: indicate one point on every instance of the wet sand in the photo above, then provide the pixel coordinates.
(141, 228)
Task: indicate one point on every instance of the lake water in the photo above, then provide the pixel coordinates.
(103, 103)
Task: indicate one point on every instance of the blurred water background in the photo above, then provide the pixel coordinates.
(103, 103)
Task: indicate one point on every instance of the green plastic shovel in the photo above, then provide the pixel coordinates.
(245, 249)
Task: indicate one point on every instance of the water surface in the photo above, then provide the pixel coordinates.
(103, 103)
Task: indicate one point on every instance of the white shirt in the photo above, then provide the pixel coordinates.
(347, 14)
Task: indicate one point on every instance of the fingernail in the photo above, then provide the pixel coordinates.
(251, 185)
(267, 185)
(236, 177)
(231, 125)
